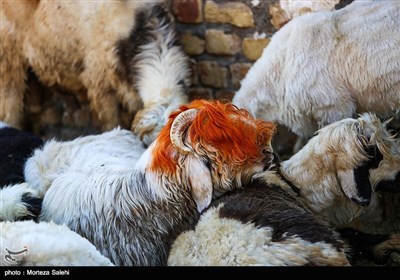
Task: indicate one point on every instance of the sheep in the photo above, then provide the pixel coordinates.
(285, 10)
(297, 8)
(26, 243)
(288, 215)
(347, 157)
(132, 208)
(16, 147)
(258, 225)
(116, 52)
(325, 66)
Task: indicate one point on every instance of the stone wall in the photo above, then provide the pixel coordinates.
(223, 38)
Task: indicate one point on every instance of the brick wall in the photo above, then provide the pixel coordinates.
(223, 38)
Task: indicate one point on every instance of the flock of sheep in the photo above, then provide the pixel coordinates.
(198, 183)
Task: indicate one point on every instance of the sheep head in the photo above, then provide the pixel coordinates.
(372, 149)
(370, 137)
(333, 171)
(213, 147)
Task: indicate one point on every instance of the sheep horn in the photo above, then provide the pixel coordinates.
(181, 122)
(388, 121)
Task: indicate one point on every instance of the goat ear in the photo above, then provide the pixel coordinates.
(356, 186)
(200, 182)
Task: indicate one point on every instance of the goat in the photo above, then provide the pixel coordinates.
(288, 215)
(46, 244)
(16, 147)
(325, 66)
(132, 208)
(118, 52)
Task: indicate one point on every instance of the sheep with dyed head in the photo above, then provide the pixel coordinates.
(288, 215)
(132, 204)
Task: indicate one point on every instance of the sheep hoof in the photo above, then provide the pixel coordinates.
(394, 259)
(19, 202)
(388, 251)
(33, 206)
(147, 124)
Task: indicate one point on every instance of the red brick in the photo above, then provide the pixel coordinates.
(188, 11)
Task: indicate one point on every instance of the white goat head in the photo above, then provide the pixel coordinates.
(212, 147)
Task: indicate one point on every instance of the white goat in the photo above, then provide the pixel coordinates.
(269, 222)
(132, 208)
(119, 52)
(46, 244)
(325, 66)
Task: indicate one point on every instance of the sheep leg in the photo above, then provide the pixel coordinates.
(100, 82)
(105, 104)
(304, 128)
(162, 72)
(326, 116)
(158, 105)
(12, 83)
(149, 121)
(161, 90)
(377, 247)
(300, 142)
(19, 202)
(388, 250)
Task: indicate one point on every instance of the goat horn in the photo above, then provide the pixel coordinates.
(181, 122)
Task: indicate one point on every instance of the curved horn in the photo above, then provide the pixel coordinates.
(181, 122)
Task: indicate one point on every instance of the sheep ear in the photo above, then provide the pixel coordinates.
(355, 184)
(200, 182)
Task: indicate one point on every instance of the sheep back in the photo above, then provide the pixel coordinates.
(258, 225)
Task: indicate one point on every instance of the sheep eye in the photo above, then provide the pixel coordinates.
(207, 163)
(267, 152)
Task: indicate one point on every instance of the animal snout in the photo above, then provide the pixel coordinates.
(269, 157)
(361, 201)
